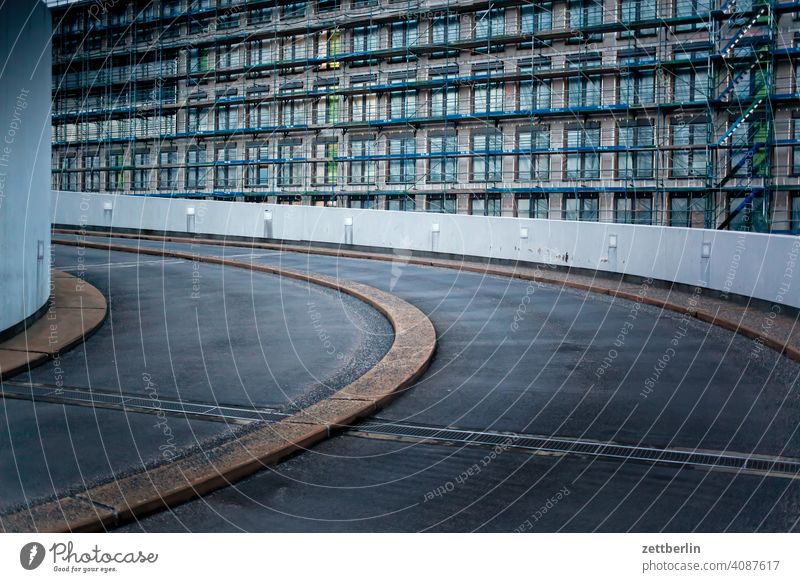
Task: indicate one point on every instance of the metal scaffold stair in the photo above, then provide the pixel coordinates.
(741, 142)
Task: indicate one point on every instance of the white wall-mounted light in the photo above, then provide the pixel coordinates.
(268, 215)
(190, 211)
(612, 241)
(348, 221)
(705, 250)
(108, 206)
(435, 227)
(523, 232)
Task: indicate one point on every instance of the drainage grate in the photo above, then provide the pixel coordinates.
(772, 466)
(138, 403)
(776, 466)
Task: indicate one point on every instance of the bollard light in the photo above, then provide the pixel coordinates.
(190, 219)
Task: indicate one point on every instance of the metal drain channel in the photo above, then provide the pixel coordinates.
(137, 403)
(777, 466)
(374, 426)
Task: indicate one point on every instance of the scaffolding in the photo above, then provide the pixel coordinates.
(674, 112)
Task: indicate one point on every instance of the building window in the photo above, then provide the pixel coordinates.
(225, 173)
(293, 112)
(69, 175)
(536, 17)
(444, 30)
(584, 90)
(260, 52)
(633, 208)
(533, 161)
(534, 93)
(325, 169)
(636, 158)
(227, 117)
(685, 8)
(794, 216)
(196, 120)
(198, 60)
(296, 10)
(259, 16)
(364, 106)
(328, 110)
(490, 23)
(260, 115)
(486, 205)
(689, 162)
(442, 162)
(687, 210)
(141, 171)
(636, 86)
(402, 160)
(444, 99)
(115, 177)
(227, 20)
(488, 97)
(583, 158)
(402, 104)
(534, 205)
(290, 164)
(585, 14)
(362, 164)
(579, 206)
(637, 11)
(365, 40)
(168, 170)
(258, 165)
(443, 203)
(487, 163)
(297, 48)
(690, 85)
(327, 5)
(290, 199)
(402, 202)
(403, 35)
(796, 146)
(91, 173)
(365, 202)
(195, 168)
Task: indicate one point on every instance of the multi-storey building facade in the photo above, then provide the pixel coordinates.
(674, 112)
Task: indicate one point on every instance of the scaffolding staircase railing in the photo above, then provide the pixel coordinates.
(741, 140)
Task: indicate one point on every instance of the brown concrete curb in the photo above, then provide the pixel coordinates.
(76, 310)
(781, 346)
(202, 472)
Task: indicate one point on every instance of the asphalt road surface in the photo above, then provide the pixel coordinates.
(512, 357)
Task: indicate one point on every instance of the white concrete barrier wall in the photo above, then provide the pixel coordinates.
(754, 265)
(25, 94)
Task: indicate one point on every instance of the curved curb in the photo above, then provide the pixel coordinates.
(760, 336)
(76, 310)
(202, 472)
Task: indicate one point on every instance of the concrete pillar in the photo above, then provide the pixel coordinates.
(25, 158)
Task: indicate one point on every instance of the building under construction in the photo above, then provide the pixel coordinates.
(671, 112)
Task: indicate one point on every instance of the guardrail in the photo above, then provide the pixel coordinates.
(762, 266)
